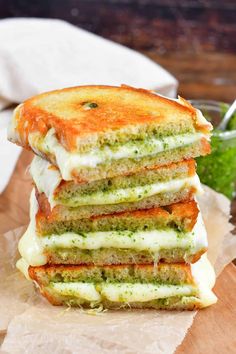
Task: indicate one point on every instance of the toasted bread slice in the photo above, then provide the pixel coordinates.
(117, 256)
(164, 286)
(95, 132)
(122, 189)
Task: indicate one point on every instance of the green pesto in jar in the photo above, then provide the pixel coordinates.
(218, 170)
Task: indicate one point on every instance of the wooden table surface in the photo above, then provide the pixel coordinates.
(213, 328)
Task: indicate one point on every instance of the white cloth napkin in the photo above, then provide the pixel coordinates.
(9, 152)
(39, 55)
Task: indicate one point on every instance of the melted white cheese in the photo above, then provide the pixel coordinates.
(68, 161)
(204, 276)
(127, 292)
(47, 179)
(121, 292)
(86, 291)
(32, 247)
(23, 267)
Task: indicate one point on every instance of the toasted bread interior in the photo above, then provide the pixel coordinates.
(162, 273)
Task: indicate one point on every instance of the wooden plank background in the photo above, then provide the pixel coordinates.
(194, 39)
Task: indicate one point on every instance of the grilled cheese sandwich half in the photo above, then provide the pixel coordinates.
(162, 286)
(95, 132)
(61, 200)
(123, 189)
(165, 236)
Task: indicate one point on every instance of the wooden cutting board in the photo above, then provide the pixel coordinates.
(214, 328)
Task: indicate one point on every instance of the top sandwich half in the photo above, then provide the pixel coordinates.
(96, 132)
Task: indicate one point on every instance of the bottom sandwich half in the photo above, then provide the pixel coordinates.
(161, 286)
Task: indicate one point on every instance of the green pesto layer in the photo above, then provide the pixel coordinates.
(115, 138)
(70, 191)
(124, 166)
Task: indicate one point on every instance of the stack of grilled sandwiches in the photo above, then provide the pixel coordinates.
(114, 221)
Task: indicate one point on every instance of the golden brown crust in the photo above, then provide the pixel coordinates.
(44, 211)
(50, 297)
(188, 209)
(195, 257)
(115, 110)
(206, 147)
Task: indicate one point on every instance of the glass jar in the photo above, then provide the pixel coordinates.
(218, 170)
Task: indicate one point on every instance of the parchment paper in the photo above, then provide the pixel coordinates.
(34, 326)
